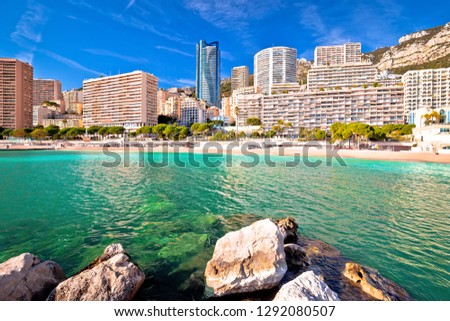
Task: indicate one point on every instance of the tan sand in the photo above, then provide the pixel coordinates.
(404, 156)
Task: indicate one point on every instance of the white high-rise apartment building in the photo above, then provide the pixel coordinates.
(348, 53)
(337, 67)
(239, 77)
(373, 105)
(326, 77)
(276, 65)
(425, 91)
(192, 111)
(127, 100)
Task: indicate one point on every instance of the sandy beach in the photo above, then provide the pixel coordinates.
(225, 148)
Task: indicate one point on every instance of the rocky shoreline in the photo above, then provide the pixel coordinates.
(266, 260)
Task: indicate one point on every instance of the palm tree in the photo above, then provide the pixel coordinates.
(427, 118)
(237, 111)
(280, 126)
(435, 116)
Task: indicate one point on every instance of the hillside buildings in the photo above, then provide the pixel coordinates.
(16, 94)
(127, 100)
(208, 72)
(239, 77)
(169, 102)
(73, 101)
(276, 65)
(427, 91)
(40, 113)
(192, 111)
(47, 90)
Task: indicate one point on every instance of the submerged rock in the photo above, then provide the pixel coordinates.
(26, 277)
(296, 256)
(372, 283)
(306, 287)
(112, 277)
(247, 260)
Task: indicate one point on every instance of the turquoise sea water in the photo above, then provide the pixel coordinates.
(67, 207)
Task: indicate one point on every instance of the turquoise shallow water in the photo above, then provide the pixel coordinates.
(65, 206)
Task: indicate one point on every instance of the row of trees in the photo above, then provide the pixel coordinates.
(54, 132)
(360, 131)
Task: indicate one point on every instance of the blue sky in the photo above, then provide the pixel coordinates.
(73, 40)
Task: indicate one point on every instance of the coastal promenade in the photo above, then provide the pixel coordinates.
(242, 148)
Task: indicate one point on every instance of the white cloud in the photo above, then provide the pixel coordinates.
(25, 57)
(186, 82)
(108, 53)
(68, 62)
(78, 19)
(235, 15)
(130, 4)
(312, 20)
(175, 51)
(29, 23)
(226, 55)
(139, 24)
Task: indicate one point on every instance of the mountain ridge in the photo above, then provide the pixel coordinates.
(425, 49)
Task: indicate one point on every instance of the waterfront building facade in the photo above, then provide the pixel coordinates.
(208, 72)
(427, 91)
(373, 105)
(128, 100)
(248, 106)
(274, 65)
(47, 90)
(238, 92)
(239, 77)
(348, 53)
(64, 121)
(16, 94)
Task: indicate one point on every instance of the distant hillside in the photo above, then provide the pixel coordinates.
(303, 66)
(420, 50)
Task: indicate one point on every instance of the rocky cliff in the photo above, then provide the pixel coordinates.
(420, 50)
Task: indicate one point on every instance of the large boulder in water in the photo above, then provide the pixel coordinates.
(306, 287)
(112, 277)
(372, 283)
(247, 260)
(26, 277)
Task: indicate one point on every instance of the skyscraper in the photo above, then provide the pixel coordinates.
(239, 77)
(275, 65)
(16, 94)
(208, 72)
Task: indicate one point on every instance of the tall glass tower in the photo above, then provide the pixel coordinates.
(208, 72)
